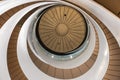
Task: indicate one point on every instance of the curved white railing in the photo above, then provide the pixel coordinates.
(6, 30)
(30, 70)
(28, 67)
(6, 5)
(101, 60)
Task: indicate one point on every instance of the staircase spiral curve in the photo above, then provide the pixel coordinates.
(58, 40)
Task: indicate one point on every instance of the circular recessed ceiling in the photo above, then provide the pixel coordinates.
(61, 29)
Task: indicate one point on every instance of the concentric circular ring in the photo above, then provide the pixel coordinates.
(61, 29)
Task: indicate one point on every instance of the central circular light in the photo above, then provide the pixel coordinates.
(61, 29)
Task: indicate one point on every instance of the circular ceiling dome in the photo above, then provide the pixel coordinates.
(61, 29)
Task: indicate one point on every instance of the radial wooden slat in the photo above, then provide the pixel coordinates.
(113, 69)
(113, 72)
(2, 20)
(67, 74)
(51, 71)
(16, 76)
(59, 73)
(76, 72)
(63, 27)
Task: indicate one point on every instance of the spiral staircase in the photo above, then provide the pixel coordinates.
(59, 40)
